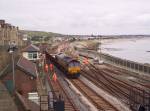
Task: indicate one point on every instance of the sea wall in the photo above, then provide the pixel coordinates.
(123, 63)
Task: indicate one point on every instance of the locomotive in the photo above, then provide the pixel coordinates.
(70, 66)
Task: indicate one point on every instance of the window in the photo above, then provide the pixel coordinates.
(71, 65)
(76, 64)
(34, 55)
(30, 55)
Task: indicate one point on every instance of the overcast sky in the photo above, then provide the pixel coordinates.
(79, 16)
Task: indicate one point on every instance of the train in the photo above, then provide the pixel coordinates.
(70, 66)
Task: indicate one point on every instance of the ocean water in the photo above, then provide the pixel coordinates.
(137, 49)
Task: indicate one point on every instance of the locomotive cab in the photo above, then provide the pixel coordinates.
(74, 67)
(70, 66)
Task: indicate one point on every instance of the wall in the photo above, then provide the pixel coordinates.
(123, 63)
(25, 54)
(5, 58)
(9, 33)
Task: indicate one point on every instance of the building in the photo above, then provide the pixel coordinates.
(8, 33)
(25, 77)
(31, 52)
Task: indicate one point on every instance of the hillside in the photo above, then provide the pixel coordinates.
(39, 33)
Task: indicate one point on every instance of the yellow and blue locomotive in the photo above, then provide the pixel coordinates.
(70, 66)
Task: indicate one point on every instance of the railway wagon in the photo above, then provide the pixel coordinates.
(70, 66)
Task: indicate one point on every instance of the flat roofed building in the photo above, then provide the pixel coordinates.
(31, 52)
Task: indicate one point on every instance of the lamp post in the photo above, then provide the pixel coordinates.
(11, 50)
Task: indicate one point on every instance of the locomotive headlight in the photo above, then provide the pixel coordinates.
(69, 69)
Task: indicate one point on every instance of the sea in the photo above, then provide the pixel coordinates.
(134, 49)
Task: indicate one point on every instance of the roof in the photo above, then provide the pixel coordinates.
(31, 48)
(27, 66)
(66, 58)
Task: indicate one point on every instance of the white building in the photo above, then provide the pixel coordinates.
(31, 52)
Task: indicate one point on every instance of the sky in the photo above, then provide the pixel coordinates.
(79, 16)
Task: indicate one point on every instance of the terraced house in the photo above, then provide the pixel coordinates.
(9, 33)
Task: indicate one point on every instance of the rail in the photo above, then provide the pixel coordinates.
(99, 102)
(123, 63)
(130, 94)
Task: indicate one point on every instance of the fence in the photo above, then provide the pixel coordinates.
(126, 64)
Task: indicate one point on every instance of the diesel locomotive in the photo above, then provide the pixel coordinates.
(70, 66)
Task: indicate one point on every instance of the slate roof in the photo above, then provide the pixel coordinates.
(31, 48)
(27, 66)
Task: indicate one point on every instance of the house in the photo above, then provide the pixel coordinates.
(8, 33)
(31, 52)
(25, 77)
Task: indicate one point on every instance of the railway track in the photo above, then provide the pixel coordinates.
(107, 85)
(69, 105)
(114, 85)
(103, 82)
(98, 101)
(142, 81)
(110, 83)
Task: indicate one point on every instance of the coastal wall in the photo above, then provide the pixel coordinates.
(123, 63)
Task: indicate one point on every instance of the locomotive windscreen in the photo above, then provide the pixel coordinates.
(74, 63)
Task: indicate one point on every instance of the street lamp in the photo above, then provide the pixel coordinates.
(11, 50)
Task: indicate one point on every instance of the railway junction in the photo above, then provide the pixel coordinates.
(100, 86)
